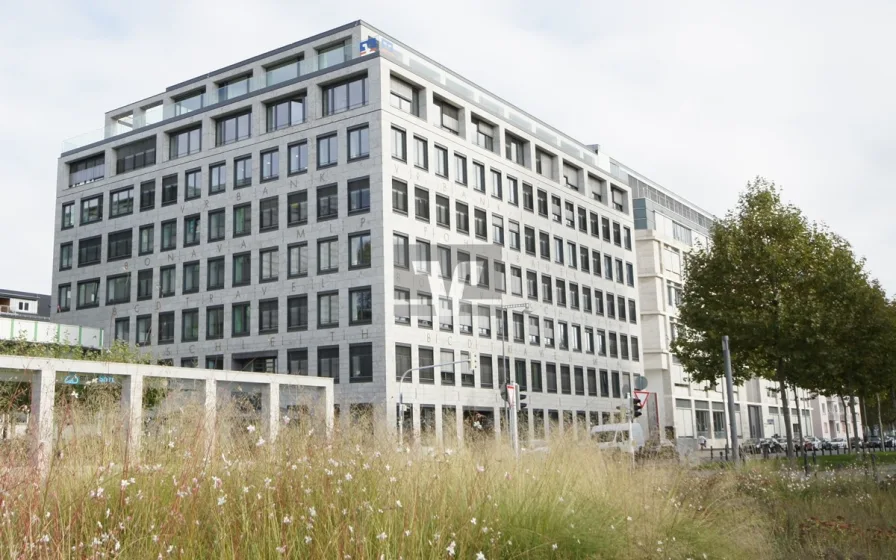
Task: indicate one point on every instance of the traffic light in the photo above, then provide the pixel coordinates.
(520, 399)
(636, 407)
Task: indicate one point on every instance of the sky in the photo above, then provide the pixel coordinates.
(700, 97)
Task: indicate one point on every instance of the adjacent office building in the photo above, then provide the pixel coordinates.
(346, 207)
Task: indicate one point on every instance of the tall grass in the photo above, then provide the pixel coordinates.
(356, 496)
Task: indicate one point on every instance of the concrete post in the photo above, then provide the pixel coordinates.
(459, 422)
(270, 409)
(328, 409)
(132, 409)
(439, 436)
(415, 421)
(210, 407)
(43, 392)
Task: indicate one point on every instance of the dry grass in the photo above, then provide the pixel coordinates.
(358, 497)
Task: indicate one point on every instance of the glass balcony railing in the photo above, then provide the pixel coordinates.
(166, 111)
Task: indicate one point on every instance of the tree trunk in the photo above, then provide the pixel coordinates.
(799, 420)
(788, 428)
(845, 423)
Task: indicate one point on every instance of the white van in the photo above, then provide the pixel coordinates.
(615, 436)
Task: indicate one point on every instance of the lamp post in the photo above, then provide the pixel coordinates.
(511, 411)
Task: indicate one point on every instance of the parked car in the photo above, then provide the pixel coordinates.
(751, 446)
(890, 442)
(771, 445)
(838, 443)
(856, 443)
(811, 443)
(825, 443)
(874, 442)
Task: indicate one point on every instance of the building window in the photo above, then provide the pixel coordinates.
(282, 71)
(87, 170)
(460, 169)
(189, 325)
(360, 357)
(399, 196)
(328, 309)
(242, 219)
(297, 313)
(480, 224)
(120, 244)
(360, 306)
(636, 351)
(88, 293)
(359, 195)
(328, 362)
(239, 319)
(441, 161)
(270, 165)
(618, 197)
(242, 172)
(551, 375)
(169, 235)
(497, 187)
(327, 203)
(297, 260)
(327, 151)
(166, 281)
(136, 155)
(629, 274)
(123, 329)
(605, 229)
(515, 149)
(288, 112)
(445, 269)
(121, 202)
(242, 267)
(462, 213)
(268, 321)
(497, 229)
(233, 129)
(68, 215)
(90, 251)
(446, 314)
(402, 306)
(269, 213)
(328, 255)
(118, 289)
(216, 225)
(144, 330)
(627, 238)
(632, 311)
(399, 144)
(297, 208)
(421, 153)
(421, 204)
(298, 157)
(64, 297)
(147, 195)
(144, 284)
(423, 259)
(608, 267)
(91, 209)
(443, 211)
(169, 190)
(484, 134)
(268, 265)
(358, 142)
(400, 251)
(185, 142)
(65, 256)
(233, 88)
(359, 250)
(191, 230)
(345, 96)
(542, 202)
(403, 96)
(215, 273)
(478, 177)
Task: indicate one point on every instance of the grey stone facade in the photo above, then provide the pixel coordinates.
(576, 393)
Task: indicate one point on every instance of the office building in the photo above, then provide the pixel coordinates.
(344, 206)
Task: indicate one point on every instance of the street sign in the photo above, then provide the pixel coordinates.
(511, 394)
(640, 382)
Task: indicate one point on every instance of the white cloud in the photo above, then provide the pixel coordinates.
(699, 97)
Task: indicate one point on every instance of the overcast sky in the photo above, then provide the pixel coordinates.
(698, 96)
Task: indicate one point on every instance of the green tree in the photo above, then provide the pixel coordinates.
(760, 281)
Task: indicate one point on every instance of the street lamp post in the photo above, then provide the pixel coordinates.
(511, 411)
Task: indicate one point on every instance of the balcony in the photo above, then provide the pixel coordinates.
(182, 106)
